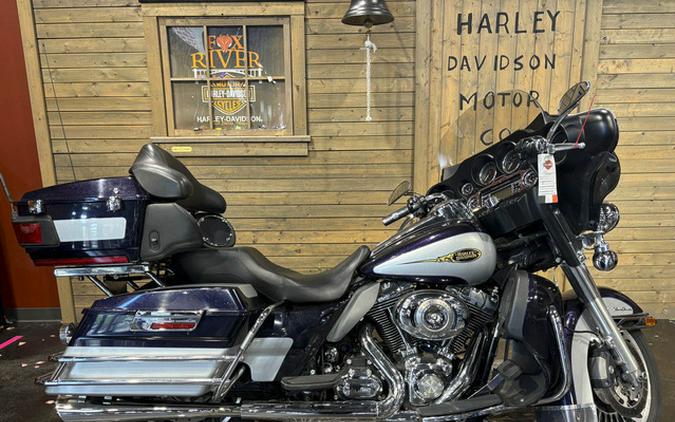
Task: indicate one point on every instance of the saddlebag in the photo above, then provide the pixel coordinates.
(82, 223)
(163, 342)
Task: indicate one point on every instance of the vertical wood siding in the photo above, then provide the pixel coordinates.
(307, 213)
(636, 80)
(627, 50)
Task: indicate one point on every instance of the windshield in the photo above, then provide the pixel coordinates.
(484, 121)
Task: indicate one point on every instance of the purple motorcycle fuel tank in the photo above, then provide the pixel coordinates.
(436, 250)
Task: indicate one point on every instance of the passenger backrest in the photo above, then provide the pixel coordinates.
(163, 176)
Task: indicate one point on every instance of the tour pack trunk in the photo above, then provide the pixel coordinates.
(88, 222)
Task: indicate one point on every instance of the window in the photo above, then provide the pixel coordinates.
(227, 76)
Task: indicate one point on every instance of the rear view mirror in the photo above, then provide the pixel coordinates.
(573, 96)
(403, 188)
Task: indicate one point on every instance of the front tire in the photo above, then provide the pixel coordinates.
(614, 406)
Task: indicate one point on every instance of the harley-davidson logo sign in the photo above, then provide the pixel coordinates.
(227, 57)
(548, 164)
(229, 97)
(462, 255)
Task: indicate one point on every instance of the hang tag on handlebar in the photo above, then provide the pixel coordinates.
(548, 185)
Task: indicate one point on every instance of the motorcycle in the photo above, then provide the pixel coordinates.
(446, 320)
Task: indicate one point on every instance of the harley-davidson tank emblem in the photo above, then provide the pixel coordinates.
(462, 255)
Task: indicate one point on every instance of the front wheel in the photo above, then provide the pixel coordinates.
(620, 403)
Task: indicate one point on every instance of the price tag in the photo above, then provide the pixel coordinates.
(548, 186)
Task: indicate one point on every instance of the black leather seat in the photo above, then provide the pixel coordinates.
(163, 176)
(248, 265)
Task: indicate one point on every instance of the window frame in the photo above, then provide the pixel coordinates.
(206, 22)
(155, 18)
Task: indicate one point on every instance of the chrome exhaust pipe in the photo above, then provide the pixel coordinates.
(351, 410)
(73, 410)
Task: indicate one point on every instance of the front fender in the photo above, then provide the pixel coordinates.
(579, 336)
(618, 304)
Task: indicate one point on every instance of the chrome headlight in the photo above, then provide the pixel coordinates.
(609, 217)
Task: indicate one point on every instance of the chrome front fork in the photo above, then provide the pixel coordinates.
(588, 292)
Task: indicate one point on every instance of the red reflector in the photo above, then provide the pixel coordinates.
(83, 261)
(173, 325)
(28, 233)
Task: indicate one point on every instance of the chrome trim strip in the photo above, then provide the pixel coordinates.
(144, 320)
(101, 270)
(110, 358)
(124, 381)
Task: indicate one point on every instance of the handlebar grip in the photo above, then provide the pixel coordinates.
(396, 215)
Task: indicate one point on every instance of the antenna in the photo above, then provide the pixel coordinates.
(8, 194)
(58, 110)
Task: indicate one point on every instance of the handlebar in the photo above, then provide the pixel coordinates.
(396, 215)
(539, 145)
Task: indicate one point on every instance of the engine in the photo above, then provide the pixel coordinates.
(431, 315)
(428, 332)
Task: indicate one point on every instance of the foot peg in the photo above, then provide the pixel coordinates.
(310, 382)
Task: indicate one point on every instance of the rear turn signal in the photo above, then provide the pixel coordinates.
(28, 233)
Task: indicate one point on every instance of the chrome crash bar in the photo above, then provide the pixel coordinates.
(563, 388)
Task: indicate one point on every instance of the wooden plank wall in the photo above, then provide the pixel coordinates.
(304, 212)
(636, 80)
(627, 50)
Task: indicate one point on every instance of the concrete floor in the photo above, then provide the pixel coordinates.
(23, 401)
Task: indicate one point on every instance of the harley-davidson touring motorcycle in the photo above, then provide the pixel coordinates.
(450, 319)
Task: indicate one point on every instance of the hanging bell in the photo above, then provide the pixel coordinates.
(367, 13)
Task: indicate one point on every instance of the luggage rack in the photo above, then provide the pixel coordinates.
(95, 272)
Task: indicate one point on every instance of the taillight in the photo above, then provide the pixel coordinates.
(28, 233)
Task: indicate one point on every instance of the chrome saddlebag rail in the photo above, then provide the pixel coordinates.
(134, 371)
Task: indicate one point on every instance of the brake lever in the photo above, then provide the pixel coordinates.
(539, 145)
(553, 148)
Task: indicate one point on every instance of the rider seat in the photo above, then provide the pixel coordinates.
(247, 265)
